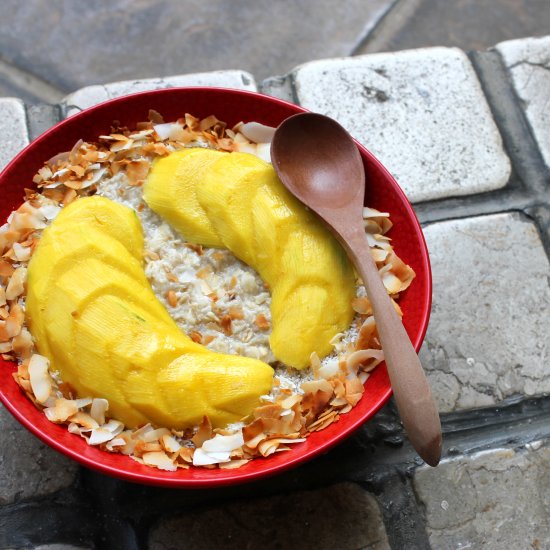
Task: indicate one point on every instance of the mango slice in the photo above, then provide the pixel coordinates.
(170, 190)
(93, 313)
(253, 215)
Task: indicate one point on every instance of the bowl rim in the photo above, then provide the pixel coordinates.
(224, 477)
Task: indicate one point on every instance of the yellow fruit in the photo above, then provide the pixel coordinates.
(93, 313)
(252, 214)
(170, 192)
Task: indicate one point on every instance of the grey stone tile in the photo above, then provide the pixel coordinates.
(342, 516)
(28, 468)
(13, 129)
(278, 86)
(528, 61)
(468, 24)
(489, 331)
(41, 118)
(17, 82)
(491, 500)
(91, 95)
(76, 44)
(421, 112)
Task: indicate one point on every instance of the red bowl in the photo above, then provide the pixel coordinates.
(232, 106)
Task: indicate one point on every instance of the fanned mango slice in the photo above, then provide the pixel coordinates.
(170, 192)
(93, 313)
(253, 215)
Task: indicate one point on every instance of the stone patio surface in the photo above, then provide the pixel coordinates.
(454, 98)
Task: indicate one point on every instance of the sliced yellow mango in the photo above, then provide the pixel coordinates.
(93, 313)
(253, 215)
(170, 192)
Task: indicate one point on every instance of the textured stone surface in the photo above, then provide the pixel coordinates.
(422, 112)
(468, 24)
(343, 516)
(13, 129)
(41, 118)
(528, 61)
(489, 330)
(491, 500)
(91, 95)
(76, 44)
(29, 469)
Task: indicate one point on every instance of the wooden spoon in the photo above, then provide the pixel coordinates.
(318, 161)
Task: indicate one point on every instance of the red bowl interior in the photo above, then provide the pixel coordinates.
(232, 106)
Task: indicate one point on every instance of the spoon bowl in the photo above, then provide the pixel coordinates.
(318, 161)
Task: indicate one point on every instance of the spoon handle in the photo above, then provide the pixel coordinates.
(411, 390)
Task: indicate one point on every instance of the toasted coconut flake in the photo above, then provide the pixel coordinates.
(354, 391)
(16, 285)
(391, 282)
(93, 177)
(226, 325)
(98, 409)
(314, 361)
(83, 402)
(137, 171)
(40, 379)
(170, 443)
(359, 358)
(160, 460)
(261, 322)
(169, 130)
(290, 401)
(204, 432)
(328, 369)
(14, 321)
(263, 151)
(155, 435)
(5, 348)
(235, 313)
(361, 305)
(140, 432)
(172, 298)
(323, 422)
(50, 211)
(84, 420)
(196, 336)
(312, 386)
(367, 333)
(222, 443)
(256, 132)
(201, 458)
(61, 411)
(100, 435)
(271, 446)
(6, 269)
(114, 443)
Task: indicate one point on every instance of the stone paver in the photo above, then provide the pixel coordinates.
(528, 61)
(28, 468)
(468, 24)
(91, 95)
(491, 500)
(489, 333)
(422, 112)
(78, 44)
(343, 516)
(13, 129)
